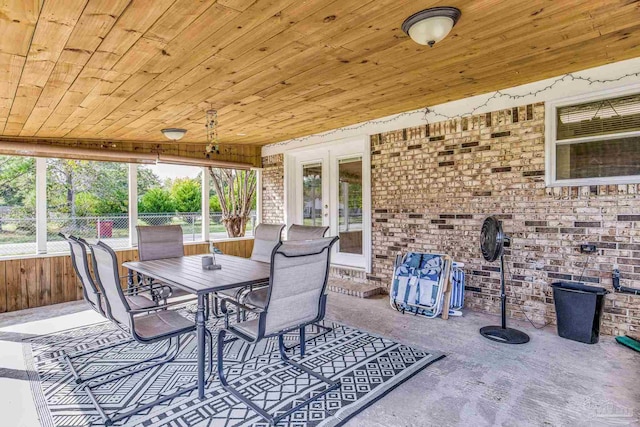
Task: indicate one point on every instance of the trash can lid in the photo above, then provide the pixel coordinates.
(580, 287)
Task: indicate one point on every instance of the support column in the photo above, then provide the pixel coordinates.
(133, 204)
(206, 219)
(41, 205)
(258, 219)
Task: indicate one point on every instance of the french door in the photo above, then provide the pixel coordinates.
(330, 185)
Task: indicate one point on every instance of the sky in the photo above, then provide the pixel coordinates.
(174, 171)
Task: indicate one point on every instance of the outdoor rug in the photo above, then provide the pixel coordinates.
(368, 367)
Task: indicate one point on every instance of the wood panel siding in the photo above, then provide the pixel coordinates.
(275, 69)
(36, 282)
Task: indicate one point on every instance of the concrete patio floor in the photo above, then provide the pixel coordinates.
(548, 382)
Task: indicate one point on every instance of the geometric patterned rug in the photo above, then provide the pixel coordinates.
(368, 367)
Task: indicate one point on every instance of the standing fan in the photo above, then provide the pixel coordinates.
(492, 243)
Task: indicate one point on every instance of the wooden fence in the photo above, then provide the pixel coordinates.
(36, 282)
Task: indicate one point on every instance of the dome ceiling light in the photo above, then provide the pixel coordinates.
(429, 26)
(174, 134)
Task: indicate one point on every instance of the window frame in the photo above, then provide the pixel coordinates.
(551, 111)
(132, 187)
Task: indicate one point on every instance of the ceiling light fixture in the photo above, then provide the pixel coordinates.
(429, 26)
(174, 134)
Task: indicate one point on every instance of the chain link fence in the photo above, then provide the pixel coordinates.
(18, 235)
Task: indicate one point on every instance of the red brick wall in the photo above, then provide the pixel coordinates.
(432, 186)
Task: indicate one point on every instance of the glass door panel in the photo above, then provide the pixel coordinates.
(350, 205)
(330, 186)
(312, 194)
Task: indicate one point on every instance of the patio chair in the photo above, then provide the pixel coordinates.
(146, 326)
(95, 298)
(160, 242)
(306, 232)
(266, 237)
(296, 298)
(90, 292)
(296, 232)
(258, 297)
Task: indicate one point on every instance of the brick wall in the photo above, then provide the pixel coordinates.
(432, 186)
(273, 189)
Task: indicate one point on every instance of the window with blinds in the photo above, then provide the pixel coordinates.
(595, 142)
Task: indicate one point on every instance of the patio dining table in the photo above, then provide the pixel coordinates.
(186, 273)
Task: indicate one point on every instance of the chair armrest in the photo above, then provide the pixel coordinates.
(224, 301)
(143, 288)
(260, 312)
(156, 308)
(159, 290)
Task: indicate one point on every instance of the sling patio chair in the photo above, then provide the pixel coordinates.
(94, 296)
(146, 326)
(266, 237)
(295, 298)
(306, 232)
(296, 232)
(258, 297)
(160, 242)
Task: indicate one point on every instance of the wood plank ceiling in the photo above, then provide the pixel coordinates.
(276, 69)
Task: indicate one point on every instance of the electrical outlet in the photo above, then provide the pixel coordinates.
(587, 249)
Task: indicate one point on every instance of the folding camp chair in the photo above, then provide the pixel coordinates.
(295, 298)
(422, 284)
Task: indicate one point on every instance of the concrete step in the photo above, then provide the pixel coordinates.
(356, 289)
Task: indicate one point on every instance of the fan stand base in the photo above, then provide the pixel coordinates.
(504, 335)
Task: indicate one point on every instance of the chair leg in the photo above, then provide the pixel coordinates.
(272, 420)
(215, 308)
(163, 355)
(110, 420)
(223, 380)
(332, 385)
(327, 330)
(68, 358)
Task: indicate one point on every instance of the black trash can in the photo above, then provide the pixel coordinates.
(578, 310)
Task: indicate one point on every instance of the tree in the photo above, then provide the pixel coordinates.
(86, 204)
(156, 200)
(15, 173)
(235, 190)
(214, 203)
(186, 195)
(106, 182)
(63, 185)
(147, 180)
(17, 184)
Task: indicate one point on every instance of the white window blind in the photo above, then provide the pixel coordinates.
(594, 142)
